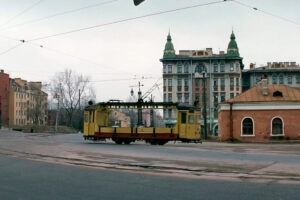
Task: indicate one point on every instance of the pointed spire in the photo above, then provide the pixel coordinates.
(232, 50)
(169, 51)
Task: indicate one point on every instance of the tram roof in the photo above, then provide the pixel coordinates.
(143, 105)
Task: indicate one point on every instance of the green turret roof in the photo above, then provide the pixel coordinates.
(169, 51)
(232, 49)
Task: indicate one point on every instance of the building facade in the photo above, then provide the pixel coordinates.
(28, 103)
(262, 113)
(4, 99)
(285, 73)
(185, 74)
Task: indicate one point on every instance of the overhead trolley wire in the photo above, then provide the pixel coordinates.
(22, 12)
(11, 48)
(59, 14)
(265, 12)
(128, 19)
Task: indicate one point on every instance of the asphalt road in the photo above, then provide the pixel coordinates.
(26, 179)
(255, 162)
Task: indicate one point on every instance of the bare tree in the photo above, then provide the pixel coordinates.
(74, 91)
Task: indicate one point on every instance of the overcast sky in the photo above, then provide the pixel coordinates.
(132, 49)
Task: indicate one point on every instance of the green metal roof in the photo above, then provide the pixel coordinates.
(232, 49)
(169, 51)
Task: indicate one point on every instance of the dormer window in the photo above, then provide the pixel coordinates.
(277, 94)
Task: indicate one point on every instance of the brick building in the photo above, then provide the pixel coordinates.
(262, 113)
(183, 79)
(284, 73)
(4, 98)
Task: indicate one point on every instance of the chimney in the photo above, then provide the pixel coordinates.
(2, 71)
(252, 65)
(264, 85)
(269, 64)
(221, 52)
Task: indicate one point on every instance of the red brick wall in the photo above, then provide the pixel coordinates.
(4, 97)
(262, 124)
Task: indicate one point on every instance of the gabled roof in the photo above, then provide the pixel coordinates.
(289, 94)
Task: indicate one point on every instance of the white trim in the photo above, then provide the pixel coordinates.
(253, 128)
(272, 126)
(261, 106)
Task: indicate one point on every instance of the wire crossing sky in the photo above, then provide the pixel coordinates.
(115, 40)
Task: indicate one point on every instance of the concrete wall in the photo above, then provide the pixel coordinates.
(262, 124)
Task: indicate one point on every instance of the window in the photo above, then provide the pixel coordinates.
(222, 67)
(169, 68)
(222, 83)
(297, 79)
(186, 69)
(200, 68)
(183, 117)
(231, 67)
(216, 98)
(274, 79)
(231, 83)
(197, 82)
(280, 79)
(169, 97)
(237, 67)
(186, 84)
(179, 84)
(86, 118)
(222, 96)
(191, 119)
(179, 69)
(290, 80)
(247, 127)
(179, 97)
(165, 97)
(277, 126)
(165, 82)
(216, 67)
(237, 82)
(215, 84)
(170, 113)
(186, 98)
(169, 84)
(231, 95)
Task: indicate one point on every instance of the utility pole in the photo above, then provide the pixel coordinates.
(0, 112)
(140, 100)
(151, 114)
(56, 96)
(204, 104)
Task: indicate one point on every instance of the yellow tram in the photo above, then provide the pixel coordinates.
(97, 127)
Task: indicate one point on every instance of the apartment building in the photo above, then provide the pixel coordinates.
(185, 73)
(28, 103)
(283, 73)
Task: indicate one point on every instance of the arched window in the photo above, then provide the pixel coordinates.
(277, 126)
(200, 68)
(247, 127)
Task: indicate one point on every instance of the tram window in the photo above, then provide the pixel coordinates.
(91, 116)
(183, 118)
(86, 118)
(191, 119)
(198, 119)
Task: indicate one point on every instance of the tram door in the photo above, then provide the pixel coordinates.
(182, 123)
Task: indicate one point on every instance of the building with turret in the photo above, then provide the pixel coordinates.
(185, 74)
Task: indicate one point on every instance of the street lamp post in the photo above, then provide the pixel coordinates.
(204, 104)
(56, 96)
